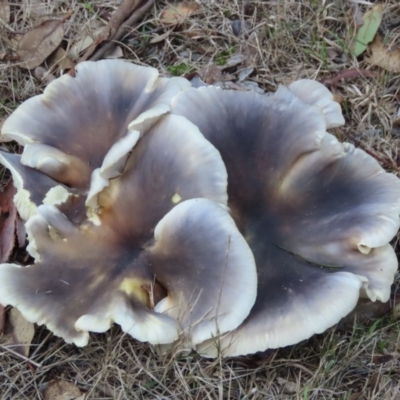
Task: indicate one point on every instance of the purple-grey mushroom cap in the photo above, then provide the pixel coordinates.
(80, 131)
(162, 221)
(317, 214)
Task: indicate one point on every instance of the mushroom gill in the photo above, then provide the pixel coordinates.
(317, 214)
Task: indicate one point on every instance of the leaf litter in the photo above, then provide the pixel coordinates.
(383, 56)
(62, 390)
(16, 333)
(38, 43)
(177, 14)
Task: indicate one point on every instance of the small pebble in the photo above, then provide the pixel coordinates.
(236, 27)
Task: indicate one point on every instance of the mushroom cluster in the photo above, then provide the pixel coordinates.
(230, 221)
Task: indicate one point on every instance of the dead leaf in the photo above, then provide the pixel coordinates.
(5, 94)
(235, 59)
(62, 390)
(115, 52)
(213, 73)
(252, 49)
(355, 396)
(173, 15)
(332, 53)
(61, 58)
(4, 11)
(388, 59)
(382, 359)
(18, 332)
(8, 215)
(81, 45)
(37, 44)
(288, 386)
(245, 73)
(160, 38)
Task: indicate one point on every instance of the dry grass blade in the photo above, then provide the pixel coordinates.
(4, 11)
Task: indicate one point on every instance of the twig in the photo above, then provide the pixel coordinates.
(16, 354)
(136, 15)
(126, 15)
(348, 74)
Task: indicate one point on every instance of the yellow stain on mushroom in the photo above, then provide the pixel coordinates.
(176, 198)
(134, 288)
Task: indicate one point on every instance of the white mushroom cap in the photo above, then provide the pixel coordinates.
(316, 94)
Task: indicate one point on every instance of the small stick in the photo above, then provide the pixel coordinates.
(16, 354)
(136, 15)
(348, 74)
(129, 11)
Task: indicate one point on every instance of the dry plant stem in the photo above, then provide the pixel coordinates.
(34, 363)
(129, 23)
(115, 28)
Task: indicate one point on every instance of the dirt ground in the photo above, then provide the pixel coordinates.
(244, 45)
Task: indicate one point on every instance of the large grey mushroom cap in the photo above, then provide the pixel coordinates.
(151, 229)
(80, 131)
(317, 214)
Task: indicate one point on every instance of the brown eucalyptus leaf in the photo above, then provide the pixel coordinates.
(62, 390)
(62, 59)
(176, 14)
(18, 332)
(37, 44)
(114, 52)
(388, 59)
(5, 94)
